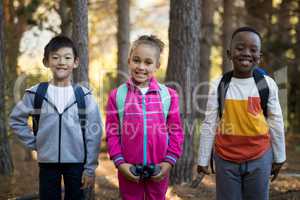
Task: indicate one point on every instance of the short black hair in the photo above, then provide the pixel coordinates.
(246, 29)
(58, 42)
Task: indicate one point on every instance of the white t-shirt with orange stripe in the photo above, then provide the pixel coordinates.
(243, 133)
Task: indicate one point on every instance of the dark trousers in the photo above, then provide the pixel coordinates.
(50, 181)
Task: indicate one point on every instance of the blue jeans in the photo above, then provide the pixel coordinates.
(50, 181)
(245, 181)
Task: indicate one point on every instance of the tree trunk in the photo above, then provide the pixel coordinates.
(6, 165)
(207, 32)
(13, 38)
(64, 12)
(183, 73)
(283, 35)
(227, 28)
(16, 23)
(123, 12)
(259, 14)
(80, 38)
(13, 34)
(294, 84)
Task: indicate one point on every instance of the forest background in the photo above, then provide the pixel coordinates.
(196, 34)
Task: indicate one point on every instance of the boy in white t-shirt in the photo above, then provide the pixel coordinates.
(247, 135)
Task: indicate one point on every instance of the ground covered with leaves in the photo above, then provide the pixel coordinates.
(24, 182)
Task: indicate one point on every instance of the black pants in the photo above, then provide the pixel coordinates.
(50, 181)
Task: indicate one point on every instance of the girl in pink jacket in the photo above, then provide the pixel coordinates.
(143, 126)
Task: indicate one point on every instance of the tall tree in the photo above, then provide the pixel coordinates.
(6, 166)
(282, 35)
(294, 83)
(64, 10)
(259, 14)
(18, 17)
(227, 27)
(207, 31)
(80, 37)
(123, 11)
(183, 70)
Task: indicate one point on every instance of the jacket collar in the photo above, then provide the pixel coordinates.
(153, 84)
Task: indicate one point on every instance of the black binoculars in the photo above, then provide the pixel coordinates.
(145, 171)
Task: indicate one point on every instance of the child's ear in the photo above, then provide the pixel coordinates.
(158, 65)
(228, 54)
(76, 62)
(260, 57)
(45, 62)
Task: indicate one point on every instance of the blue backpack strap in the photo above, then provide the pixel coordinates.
(263, 90)
(79, 96)
(261, 70)
(261, 83)
(120, 100)
(37, 105)
(222, 90)
(165, 99)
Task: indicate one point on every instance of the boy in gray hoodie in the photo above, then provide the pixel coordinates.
(66, 125)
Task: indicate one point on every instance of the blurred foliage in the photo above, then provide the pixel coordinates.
(151, 17)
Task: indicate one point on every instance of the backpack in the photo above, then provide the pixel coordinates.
(263, 90)
(122, 93)
(37, 105)
(261, 84)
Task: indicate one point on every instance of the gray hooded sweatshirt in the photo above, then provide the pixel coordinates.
(59, 138)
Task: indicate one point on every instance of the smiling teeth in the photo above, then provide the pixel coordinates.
(245, 62)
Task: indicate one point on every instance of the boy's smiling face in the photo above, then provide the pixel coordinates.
(62, 62)
(245, 53)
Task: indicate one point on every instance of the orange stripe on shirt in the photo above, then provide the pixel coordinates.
(243, 118)
(240, 149)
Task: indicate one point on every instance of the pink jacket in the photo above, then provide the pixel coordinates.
(145, 137)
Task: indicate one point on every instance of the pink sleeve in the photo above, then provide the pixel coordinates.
(113, 137)
(175, 130)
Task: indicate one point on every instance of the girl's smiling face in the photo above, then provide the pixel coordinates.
(143, 62)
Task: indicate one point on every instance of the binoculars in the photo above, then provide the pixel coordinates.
(145, 171)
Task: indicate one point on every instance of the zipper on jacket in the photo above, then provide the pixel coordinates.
(60, 124)
(59, 135)
(145, 131)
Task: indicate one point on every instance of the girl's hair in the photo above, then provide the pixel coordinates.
(150, 40)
